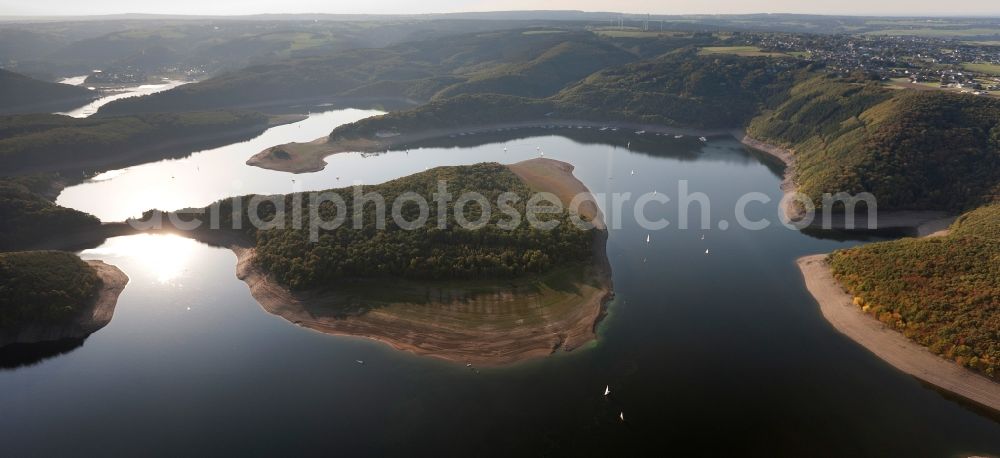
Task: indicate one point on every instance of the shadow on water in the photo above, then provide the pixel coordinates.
(979, 409)
(858, 235)
(666, 146)
(25, 355)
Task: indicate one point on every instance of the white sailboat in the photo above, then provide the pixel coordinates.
(647, 238)
(607, 390)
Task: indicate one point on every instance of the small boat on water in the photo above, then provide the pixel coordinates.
(678, 136)
(607, 390)
(640, 132)
(647, 238)
(703, 139)
(359, 361)
(633, 171)
(622, 416)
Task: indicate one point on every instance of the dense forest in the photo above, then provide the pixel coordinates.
(683, 89)
(44, 286)
(426, 252)
(28, 216)
(56, 142)
(677, 89)
(911, 149)
(21, 94)
(942, 292)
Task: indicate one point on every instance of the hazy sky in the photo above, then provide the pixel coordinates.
(853, 7)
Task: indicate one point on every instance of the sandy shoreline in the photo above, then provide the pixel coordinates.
(441, 329)
(90, 319)
(557, 177)
(889, 345)
(309, 156)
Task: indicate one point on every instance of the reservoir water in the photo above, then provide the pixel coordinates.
(704, 354)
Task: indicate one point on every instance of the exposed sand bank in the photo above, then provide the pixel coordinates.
(557, 177)
(483, 326)
(309, 156)
(889, 345)
(89, 320)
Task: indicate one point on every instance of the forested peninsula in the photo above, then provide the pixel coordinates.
(489, 294)
(53, 295)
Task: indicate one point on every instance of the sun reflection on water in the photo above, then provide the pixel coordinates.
(165, 256)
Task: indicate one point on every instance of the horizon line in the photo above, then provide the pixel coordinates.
(995, 15)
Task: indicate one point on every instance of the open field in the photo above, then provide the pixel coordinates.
(904, 83)
(745, 51)
(938, 32)
(542, 32)
(640, 33)
(984, 43)
(992, 69)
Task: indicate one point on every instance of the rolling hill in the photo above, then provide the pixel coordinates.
(21, 94)
(511, 62)
(926, 150)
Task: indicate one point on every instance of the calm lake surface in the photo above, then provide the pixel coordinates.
(705, 354)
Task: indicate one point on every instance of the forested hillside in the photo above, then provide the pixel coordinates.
(684, 89)
(44, 286)
(942, 292)
(21, 94)
(678, 89)
(55, 142)
(911, 149)
(29, 217)
(544, 75)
